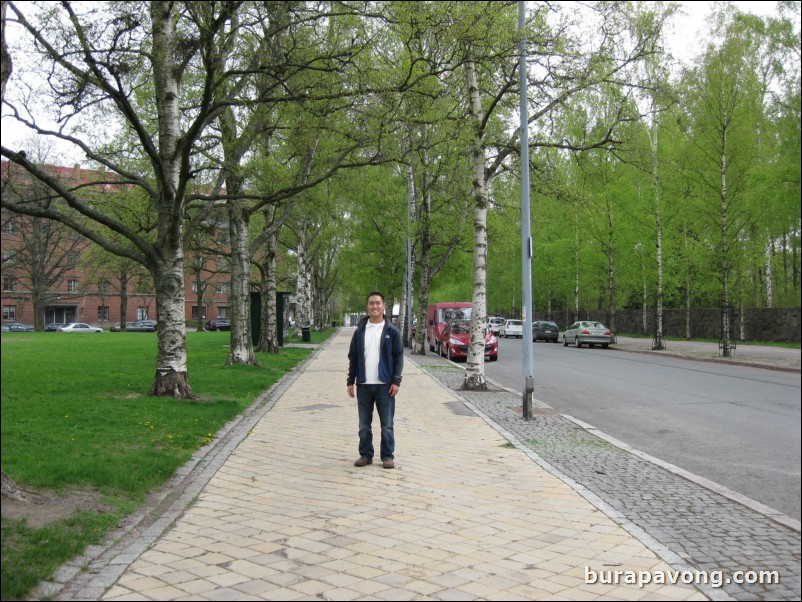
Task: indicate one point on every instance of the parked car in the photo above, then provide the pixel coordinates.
(141, 326)
(440, 314)
(54, 326)
(457, 338)
(545, 331)
(79, 327)
(495, 324)
(512, 328)
(587, 333)
(218, 325)
(16, 327)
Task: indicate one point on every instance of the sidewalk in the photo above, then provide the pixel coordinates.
(284, 514)
(773, 358)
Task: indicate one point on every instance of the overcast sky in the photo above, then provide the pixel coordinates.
(684, 43)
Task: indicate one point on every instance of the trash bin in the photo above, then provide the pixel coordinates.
(306, 334)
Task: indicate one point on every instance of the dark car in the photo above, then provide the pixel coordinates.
(543, 330)
(16, 327)
(218, 325)
(141, 326)
(54, 326)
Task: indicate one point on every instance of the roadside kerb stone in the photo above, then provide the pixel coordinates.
(691, 518)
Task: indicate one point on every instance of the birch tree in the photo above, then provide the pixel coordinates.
(97, 75)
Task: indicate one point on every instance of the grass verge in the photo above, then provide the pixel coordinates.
(76, 416)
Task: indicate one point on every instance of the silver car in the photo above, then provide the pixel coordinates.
(587, 333)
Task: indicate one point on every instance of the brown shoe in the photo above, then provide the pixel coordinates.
(363, 461)
(388, 463)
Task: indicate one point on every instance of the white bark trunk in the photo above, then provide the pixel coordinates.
(268, 341)
(303, 292)
(658, 226)
(241, 343)
(769, 275)
(172, 377)
(168, 271)
(475, 365)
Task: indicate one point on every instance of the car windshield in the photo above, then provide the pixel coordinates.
(461, 328)
(514, 323)
(455, 313)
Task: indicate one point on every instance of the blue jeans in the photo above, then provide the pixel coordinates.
(366, 397)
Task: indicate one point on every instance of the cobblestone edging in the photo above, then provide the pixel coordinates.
(704, 529)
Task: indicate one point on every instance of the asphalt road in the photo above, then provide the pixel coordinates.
(737, 426)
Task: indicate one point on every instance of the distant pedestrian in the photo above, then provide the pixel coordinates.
(375, 363)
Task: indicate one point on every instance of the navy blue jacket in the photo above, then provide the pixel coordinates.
(391, 355)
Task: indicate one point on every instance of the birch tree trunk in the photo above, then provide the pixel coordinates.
(268, 340)
(611, 264)
(769, 274)
(168, 270)
(724, 252)
(475, 364)
(172, 378)
(658, 227)
(241, 343)
(303, 286)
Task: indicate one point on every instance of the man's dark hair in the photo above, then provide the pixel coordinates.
(375, 294)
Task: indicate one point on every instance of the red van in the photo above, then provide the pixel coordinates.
(438, 314)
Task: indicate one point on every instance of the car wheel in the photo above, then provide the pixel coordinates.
(605, 345)
(577, 344)
(565, 341)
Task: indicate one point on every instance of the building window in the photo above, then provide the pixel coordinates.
(195, 286)
(195, 312)
(223, 264)
(223, 287)
(103, 287)
(72, 285)
(143, 287)
(102, 312)
(9, 284)
(222, 312)
(142, 313)
(10, 312)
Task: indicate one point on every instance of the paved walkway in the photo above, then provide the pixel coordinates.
(281, 513)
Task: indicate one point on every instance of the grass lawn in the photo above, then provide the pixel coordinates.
(76, 419)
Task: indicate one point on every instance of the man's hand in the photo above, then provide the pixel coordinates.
(350, 390)
(393, 390)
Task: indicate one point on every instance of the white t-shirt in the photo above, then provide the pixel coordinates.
(373, 336)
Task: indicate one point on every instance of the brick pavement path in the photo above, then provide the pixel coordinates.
(279, 512)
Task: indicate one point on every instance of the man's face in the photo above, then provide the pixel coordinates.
(375, 307)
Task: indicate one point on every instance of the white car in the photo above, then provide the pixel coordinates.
(79, 327)
(512, 328)
(495, 324)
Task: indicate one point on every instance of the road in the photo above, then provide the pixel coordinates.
(737, 426)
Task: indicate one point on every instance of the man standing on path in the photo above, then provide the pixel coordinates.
(375, 363)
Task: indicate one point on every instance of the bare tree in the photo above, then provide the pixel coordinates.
(95, 73)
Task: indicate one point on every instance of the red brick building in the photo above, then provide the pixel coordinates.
(49, 270)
